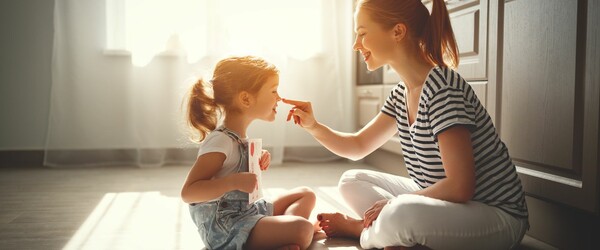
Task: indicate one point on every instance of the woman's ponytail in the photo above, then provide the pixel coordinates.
(433, 32)
(438, 42)
(201, 110)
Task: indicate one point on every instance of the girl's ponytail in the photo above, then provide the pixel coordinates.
(201, 110)
(439, 45)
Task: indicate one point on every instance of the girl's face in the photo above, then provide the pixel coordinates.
(265, 106)
(372, 41)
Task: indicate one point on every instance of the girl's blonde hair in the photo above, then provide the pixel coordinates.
(433, 32)
(231, 76)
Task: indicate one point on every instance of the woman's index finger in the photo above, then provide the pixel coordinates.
(293, 102)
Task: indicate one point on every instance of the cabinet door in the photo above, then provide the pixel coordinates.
(469, 22)
(369, 103)
(545, 114)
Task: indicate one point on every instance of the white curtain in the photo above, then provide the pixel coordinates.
(118, 86)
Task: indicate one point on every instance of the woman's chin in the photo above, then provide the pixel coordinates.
(373, 66)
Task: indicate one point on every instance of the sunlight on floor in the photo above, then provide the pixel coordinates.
(151, 220)
(135, 220)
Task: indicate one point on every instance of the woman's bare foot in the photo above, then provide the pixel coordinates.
(340, 225)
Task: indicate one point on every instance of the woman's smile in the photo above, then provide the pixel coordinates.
(366, 55)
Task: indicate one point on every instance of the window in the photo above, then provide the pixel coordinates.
(199, 28)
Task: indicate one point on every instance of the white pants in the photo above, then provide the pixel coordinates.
(410, 219)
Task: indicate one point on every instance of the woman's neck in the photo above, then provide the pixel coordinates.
(237, 122)
(412, 67)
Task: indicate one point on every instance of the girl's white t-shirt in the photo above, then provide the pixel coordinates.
(217, 141)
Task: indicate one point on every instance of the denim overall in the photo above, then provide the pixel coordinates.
(226, 223)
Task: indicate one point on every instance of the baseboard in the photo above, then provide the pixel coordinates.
(316, 153)
(35, 158)
(387, 161)
(21, 158)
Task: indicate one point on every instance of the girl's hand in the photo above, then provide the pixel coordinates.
(265, 160)
(372, 213)
(302, 113)
(245, 182)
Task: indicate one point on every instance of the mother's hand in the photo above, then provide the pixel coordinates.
(372, 213)
(302, 113)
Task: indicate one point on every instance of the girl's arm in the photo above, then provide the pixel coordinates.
(199, 187)
(459, 164)
(353, 146)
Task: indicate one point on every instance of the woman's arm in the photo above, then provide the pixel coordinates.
(353, 146)
(459, 164)
(199, 187)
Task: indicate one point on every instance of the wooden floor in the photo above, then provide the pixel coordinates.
(132, 208)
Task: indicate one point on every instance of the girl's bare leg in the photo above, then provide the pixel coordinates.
(280, 232)
(298, 201)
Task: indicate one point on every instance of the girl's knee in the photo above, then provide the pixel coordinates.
(307, 193)
(304, 232)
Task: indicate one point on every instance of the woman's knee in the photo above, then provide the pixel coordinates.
(348, 179)
(405, 210)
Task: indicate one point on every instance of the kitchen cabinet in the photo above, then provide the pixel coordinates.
(370, 100)
(544, 94)
(369, 103)
(469, 20)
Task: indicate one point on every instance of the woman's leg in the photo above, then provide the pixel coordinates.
(280, 232)
(413, 219)
(362, 188)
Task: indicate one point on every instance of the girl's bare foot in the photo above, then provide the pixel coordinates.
(340, 225)
(317, 228)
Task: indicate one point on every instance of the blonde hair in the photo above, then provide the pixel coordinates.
(433, 32)
(231, 76)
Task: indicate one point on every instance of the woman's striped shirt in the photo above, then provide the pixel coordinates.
(447, 100)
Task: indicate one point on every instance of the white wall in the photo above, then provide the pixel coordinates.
(25, 74)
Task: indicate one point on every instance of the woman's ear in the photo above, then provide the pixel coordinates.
(399, 32)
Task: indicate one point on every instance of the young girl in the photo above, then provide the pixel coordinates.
(244, 89)
(463, 191)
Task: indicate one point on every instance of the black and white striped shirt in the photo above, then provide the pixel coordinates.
(447, 100)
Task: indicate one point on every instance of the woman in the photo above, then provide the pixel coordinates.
(463, 191)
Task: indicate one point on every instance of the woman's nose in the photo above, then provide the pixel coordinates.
(356, 44)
